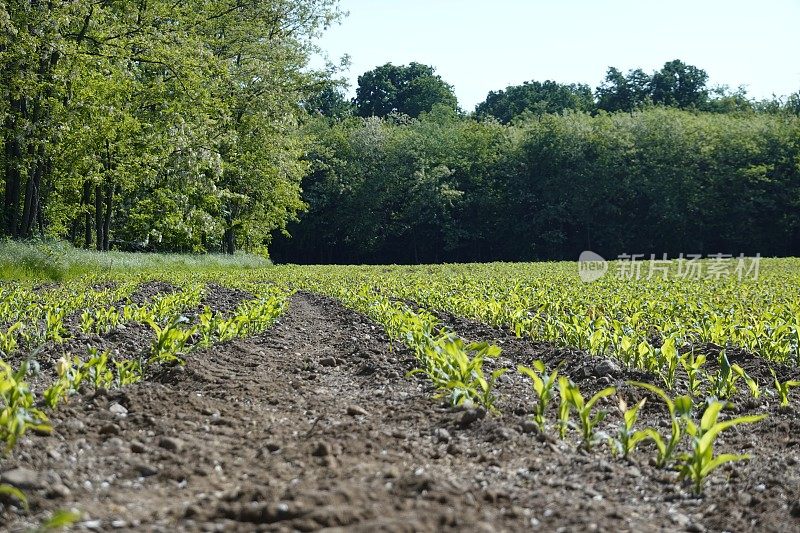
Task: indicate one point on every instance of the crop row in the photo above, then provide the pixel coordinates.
(455, 367)
(659, 326)
(175, 335)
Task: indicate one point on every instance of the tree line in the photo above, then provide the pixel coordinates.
(198, 126)
(644, 164)
(161, 125)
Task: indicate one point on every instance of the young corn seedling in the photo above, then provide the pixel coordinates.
(208, 323)
(54, 324)
(63, 385)
(170, 341)
(128, 372)
(783, 388)
(752, 384)
(14, 492)
(543, 384)
(627, 438)
(700, 461)
(679, 411)
(723, 382)
(107, 320)
(8, 340)
(457, 370)
(87, 322)
(563, 407)
(692, 365)
(17, 413)
(583, 409)
(130, 313)
(226, 329)
(670, 358)
(96, 369)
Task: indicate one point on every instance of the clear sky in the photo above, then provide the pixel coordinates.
(483, 45)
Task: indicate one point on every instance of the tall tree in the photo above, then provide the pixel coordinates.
(410, 89)
(173, 124)
(537, 98)
(620, 92)
(680, 85)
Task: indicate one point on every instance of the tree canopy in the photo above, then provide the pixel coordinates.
(410, 89)
(537, 98)
(197, 125)
(166, 125)
(451, 188)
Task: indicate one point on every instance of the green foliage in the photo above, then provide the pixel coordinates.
(123, 130)
(17, 411)
(535, 98)
(583, 408)
(444, 188)
(543, 385)
(410, 89)
(782, 388)
(701, 461)
(679, 411)
(627, 438)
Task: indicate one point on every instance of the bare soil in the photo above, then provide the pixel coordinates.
(313, 425)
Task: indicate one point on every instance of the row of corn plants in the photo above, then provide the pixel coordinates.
(174, 337)
(384, 293)
(689, 447)
(670, 328)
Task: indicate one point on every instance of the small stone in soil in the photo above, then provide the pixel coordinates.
(73, 424)
(471, 416)
(171, 443)
(58, 491)
(145, 470)
(355, 410)
(109, 429)
(322, 449)
(118, 410)
(22, 478)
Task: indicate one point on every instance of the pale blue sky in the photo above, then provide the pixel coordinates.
(478, 46)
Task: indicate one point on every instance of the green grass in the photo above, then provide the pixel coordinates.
(59, 261)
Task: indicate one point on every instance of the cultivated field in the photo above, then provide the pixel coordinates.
(469, 397)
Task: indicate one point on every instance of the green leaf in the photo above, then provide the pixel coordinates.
(15, 493)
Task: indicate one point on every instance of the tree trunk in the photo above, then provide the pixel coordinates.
(87, 215)
(229, 241)
(98, 217)
(13, 161)
(26, 208)
(12, 190)
(107, 219)
(33, 194)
